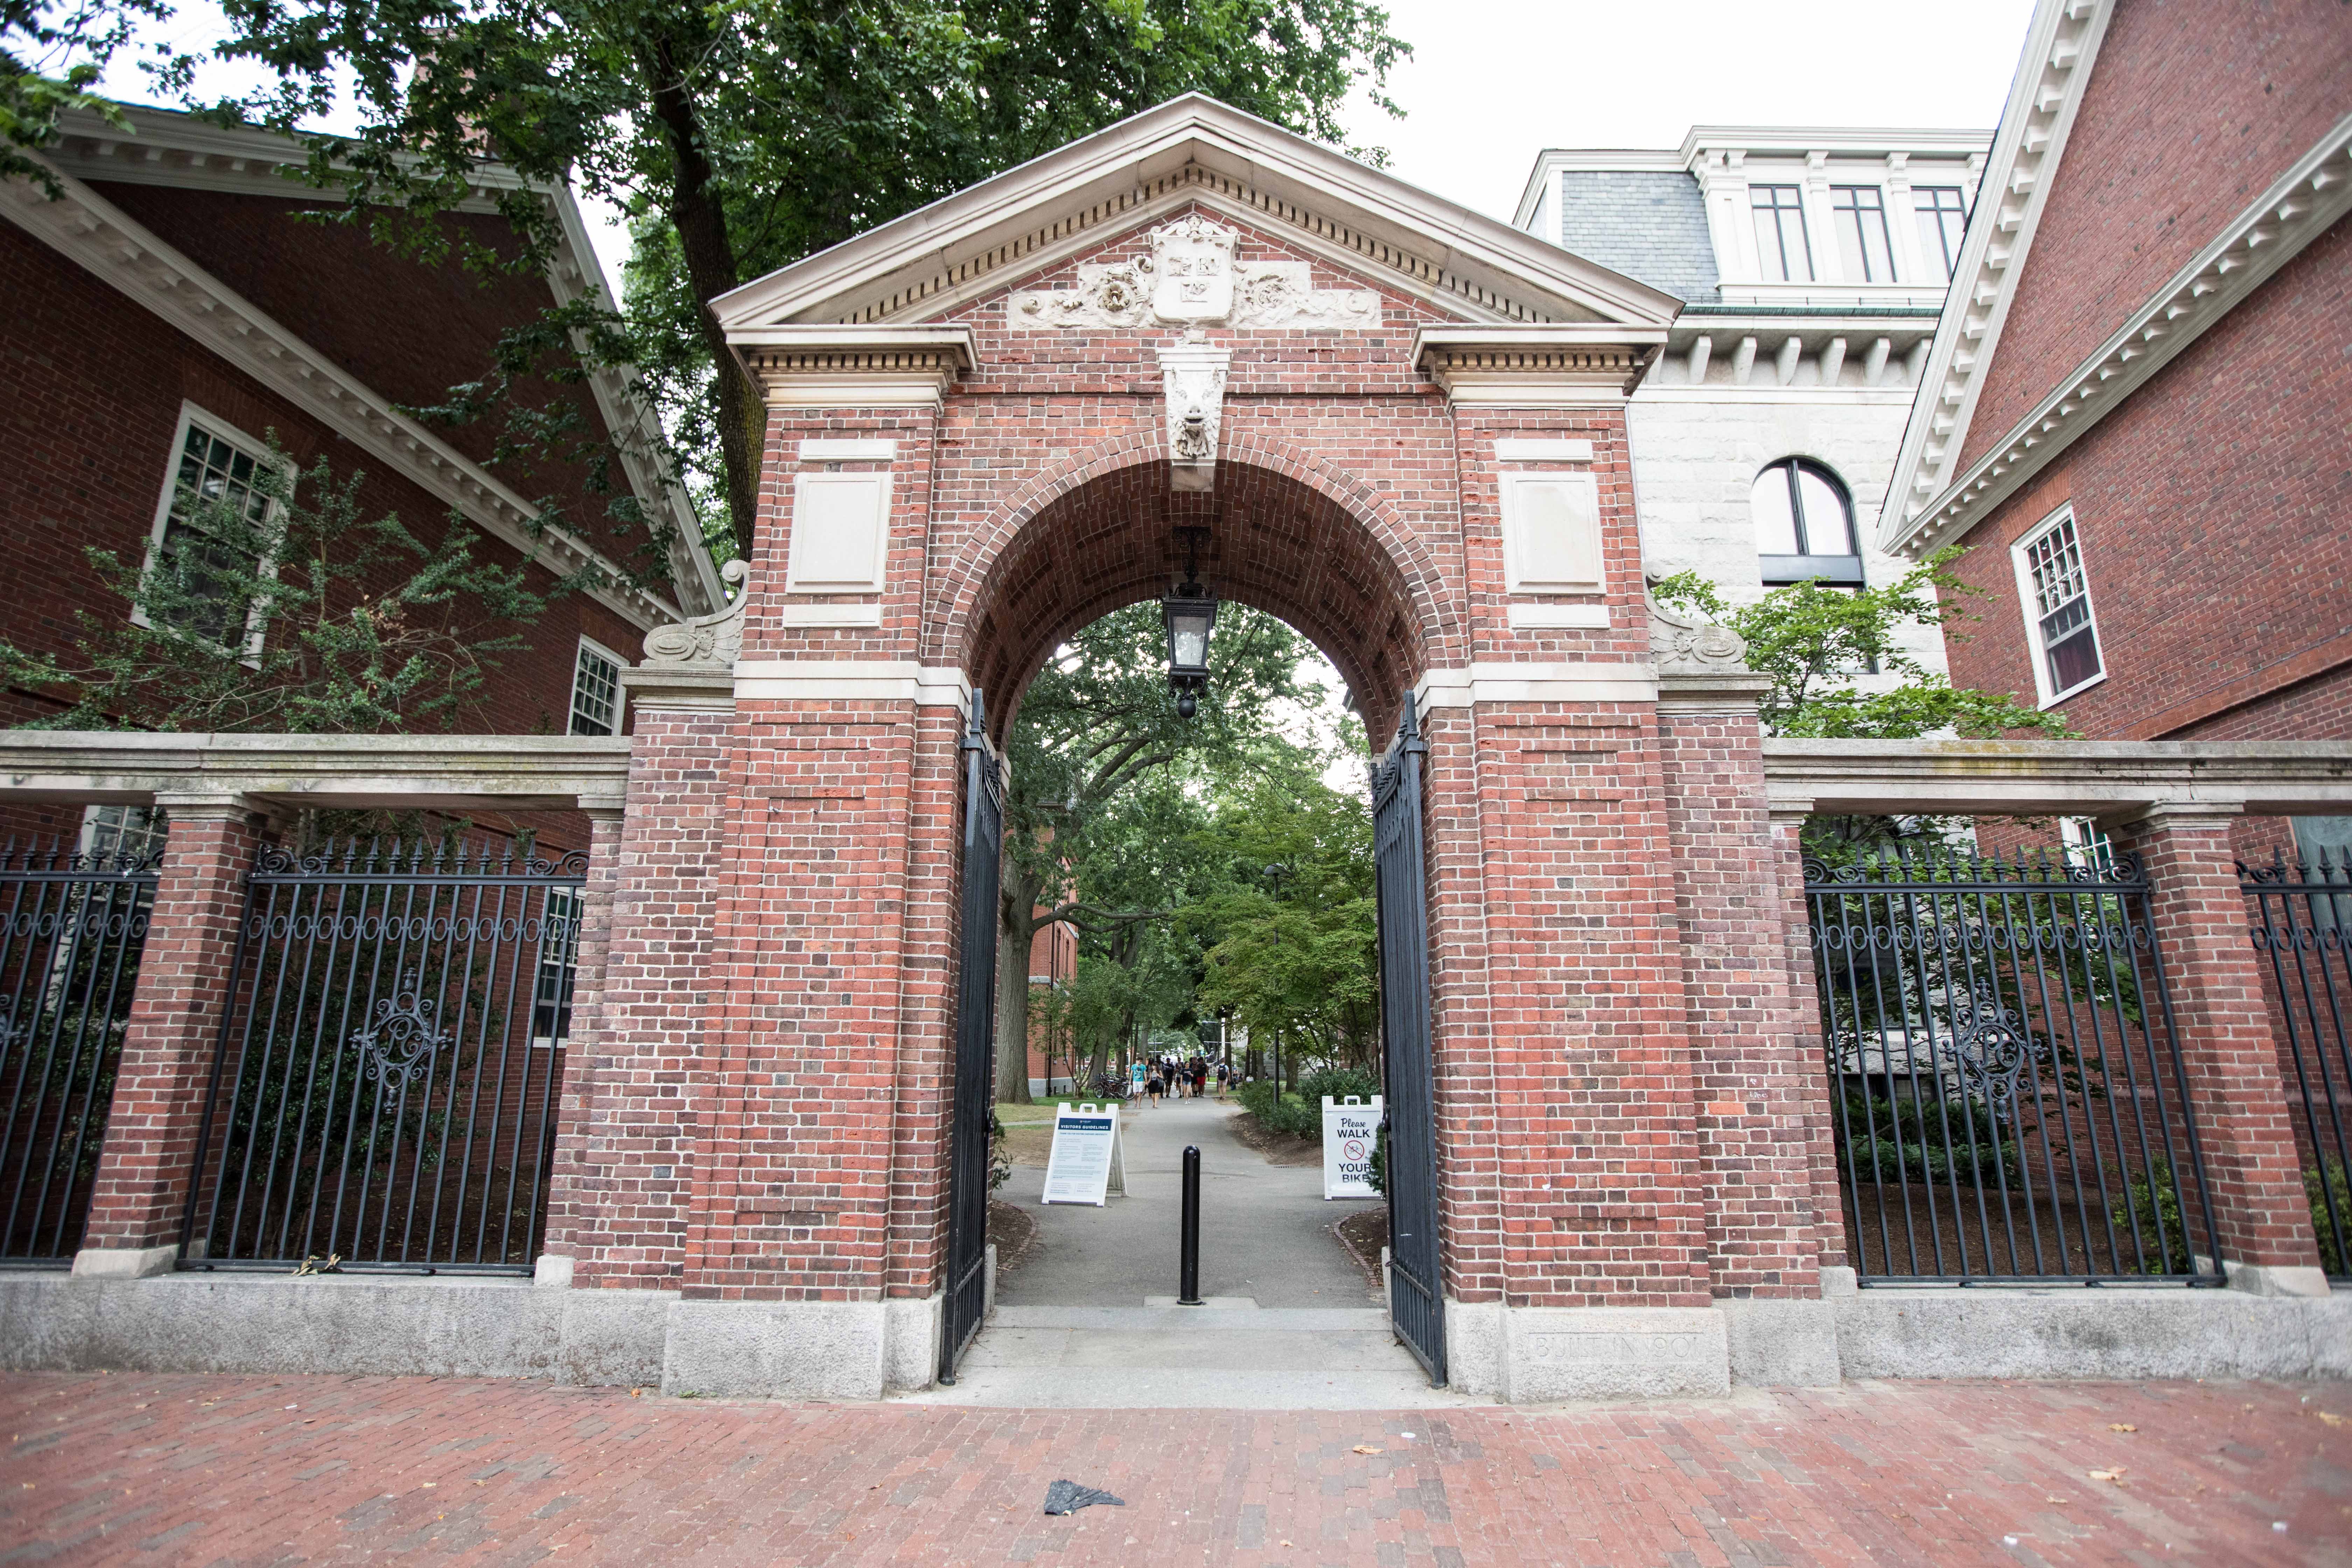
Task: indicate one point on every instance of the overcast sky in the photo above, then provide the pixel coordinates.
(1493, 82)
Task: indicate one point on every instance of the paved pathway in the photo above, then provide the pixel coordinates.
(1265, 1229)
(189, 1469)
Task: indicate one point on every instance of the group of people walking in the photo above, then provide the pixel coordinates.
(1172, 1077)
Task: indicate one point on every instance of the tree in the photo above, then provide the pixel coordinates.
(738, 138)
(51, 58)
(1297, 958)
(1820, 645)
(1096, 724)
(263, 610)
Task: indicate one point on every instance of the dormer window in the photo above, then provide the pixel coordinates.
(1804, 525)
(1863, 241)
(1781, 247)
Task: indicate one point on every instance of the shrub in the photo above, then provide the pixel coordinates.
(2152, 1200)
(1290, 1114)
(2319, 1183)
(1339, 1083)
(1913, 1143)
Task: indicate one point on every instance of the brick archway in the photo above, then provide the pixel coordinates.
(1285, 535)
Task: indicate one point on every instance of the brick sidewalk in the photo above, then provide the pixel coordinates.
(187, 1469)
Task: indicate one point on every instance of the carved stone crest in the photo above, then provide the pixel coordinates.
(1190, 277)
(1193, 377)
(1684, 645)
(712, 639)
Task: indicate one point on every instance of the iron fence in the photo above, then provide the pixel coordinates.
(385, 1087)
(2008, 1099)
(70, 944)
(2299, 912)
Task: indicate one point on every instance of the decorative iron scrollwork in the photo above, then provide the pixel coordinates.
(1991, 1050)
(402, 1036)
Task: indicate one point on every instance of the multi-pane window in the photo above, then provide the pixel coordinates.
(1786, 255)
(135, 832)
(207, 543)
(559, 969)
(1942, 222)
(1804, 525)
(595, 691)
(2058, 601)
(1861, 217)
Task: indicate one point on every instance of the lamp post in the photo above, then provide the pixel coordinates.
(1190, 614)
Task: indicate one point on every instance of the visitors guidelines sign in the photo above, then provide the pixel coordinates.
(1349, 1128)
(1084, 1167)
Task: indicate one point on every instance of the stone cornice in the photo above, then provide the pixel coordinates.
(1538, 367)
(2112, 780)
(2301, 206)
(2053, 69)
(95, 235)
(506, 772)
(1191, 149)
(856, 366)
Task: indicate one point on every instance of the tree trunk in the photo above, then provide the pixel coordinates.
(708, 249)
(1016, 932)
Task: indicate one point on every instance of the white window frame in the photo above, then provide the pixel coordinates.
(564, 972)
(620, 699)
(194, 413)
(2029, 606)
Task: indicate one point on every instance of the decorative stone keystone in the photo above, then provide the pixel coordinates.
(1194, 374)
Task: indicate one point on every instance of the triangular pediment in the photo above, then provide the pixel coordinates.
(1192, 152)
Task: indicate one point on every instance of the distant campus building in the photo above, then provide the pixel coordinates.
(1675, 1103)
(1811, 264)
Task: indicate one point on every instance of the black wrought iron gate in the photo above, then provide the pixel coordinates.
(975, 1061)
(2300, 914)
(71, 926)
(386, 1087)
(1416, 1296)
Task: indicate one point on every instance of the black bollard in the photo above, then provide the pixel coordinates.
(1188, 1264)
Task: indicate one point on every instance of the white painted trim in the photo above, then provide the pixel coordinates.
(848, 451)
(1570, 681)
(860, 615)
(1849, 396)
(95, 236)
(2053, 70)
(191, 414)
(1536, 617)
(852, 680)
(1508, 449)
(2033, 615)
(2298, 207)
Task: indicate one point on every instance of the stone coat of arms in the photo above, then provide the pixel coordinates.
(1189, 279)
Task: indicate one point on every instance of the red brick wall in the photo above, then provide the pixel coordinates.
(2193, 108)
(2211, 507)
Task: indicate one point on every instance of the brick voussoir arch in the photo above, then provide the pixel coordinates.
(959, 601)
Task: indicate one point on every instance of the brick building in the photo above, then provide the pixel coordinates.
(172, 313)
(2132, 413)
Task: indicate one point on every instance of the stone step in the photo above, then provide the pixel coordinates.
(1198, 1388)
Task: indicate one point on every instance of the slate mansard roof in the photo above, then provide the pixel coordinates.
(1650, 225)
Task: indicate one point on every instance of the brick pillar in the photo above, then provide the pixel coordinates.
(187, 979)
(2261, 1214)
(1757, 1091)
(569, 1196)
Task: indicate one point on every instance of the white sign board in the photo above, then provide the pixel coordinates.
(1348, 1129)
(1084, 1167)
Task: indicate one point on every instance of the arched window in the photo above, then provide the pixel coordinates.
(1804, 525)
